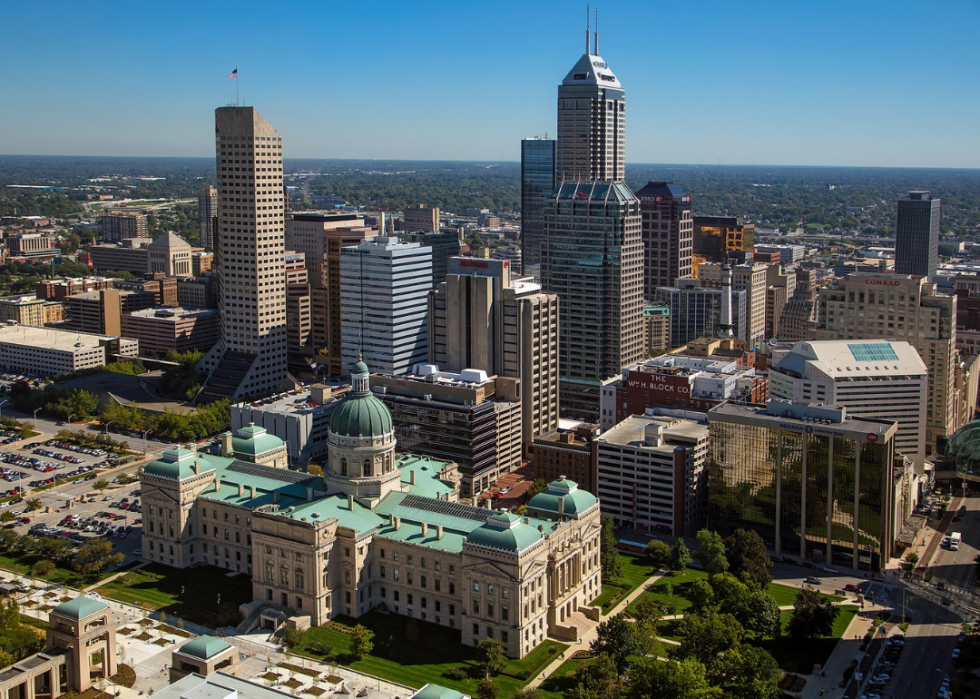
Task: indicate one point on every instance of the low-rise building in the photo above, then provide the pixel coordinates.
(131, 255)
(160, 330)
(49, 352)
(651, 473)
(25, 310)
(569, 451)
(31, 245)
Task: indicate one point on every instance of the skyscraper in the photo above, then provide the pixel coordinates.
(537, 184)
(917, 234)
(591, 121)
(207, 215)
(668, 234)
(250, 359)
(384, 289)
(592, 255)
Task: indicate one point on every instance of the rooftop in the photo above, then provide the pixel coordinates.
(861, 429)
(80, 607)
(591, 70)
(846, 358)
(173, 314)
(50, 338)
(204, 647)
(632, 431)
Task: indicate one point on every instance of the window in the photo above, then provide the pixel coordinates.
(269, 574)
(299, 557)
(284, 577)
(409, 577)
(382, 571)
(346, 552)
(347, 577)
(505, 593)
(438, 584)
(476, 629)
(490, 589)
(382, 553)
(504, 614)
(437, 566)
(395, 556)
(489, 608)
(503, 637)
(452, 569)
(476, 586)
(409, 559)
(410, 598)
(476, 606)
(423, 562)
(299, 578)
(394, 575)
(452, 588)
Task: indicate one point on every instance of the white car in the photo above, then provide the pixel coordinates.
(828, 569)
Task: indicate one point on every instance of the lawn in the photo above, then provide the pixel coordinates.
(800, 655)
(679, 581)
(189, 595)
(21, 562)
(562, 679)
(634, 572)
(415, 664)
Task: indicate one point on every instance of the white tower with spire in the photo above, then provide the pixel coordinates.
(725, 323)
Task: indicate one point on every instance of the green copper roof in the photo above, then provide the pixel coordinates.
(254, 440)
(435, 691)
(360, 368)
(79, 608)
(204, 647)
(575, 501)
(176, 464)
(360, 414)
(506, 532)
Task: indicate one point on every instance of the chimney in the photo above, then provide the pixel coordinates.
(241, 490)
(398, 523)
(309, 494)
(561, 506)
(411, 476)
(197, 467)
(489, 503)
(217, 484)
(425, 529)
(226, 444)
(350, 503)
(439, 531)
(252, 488)
(275, 497)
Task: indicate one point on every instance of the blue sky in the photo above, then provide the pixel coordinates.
(864, 82)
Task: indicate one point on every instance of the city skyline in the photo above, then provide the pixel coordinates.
(766, 84)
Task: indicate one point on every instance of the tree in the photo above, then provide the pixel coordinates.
(813, 615)
(680, 557)
(487, 689)
(646, 610)
(764, 615)
(747, 672)
(705, 637)
(598, 679)
(100, 485)
(653, 678)
(616, 638)
(42, 569)
(292, 637)
(700, 595)
(360, 642)
(20, 393)
(528, 693)
(658, 553)
(608, 551)
(712, 553)
(747, 556)
(32, 504)
(412, 634)
(490, 656)
(314, 469)
(81, 402)
(7, 516)
(910, 562)
(124, 479)
(95, 555)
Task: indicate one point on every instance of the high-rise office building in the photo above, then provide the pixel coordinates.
(716, 236)
(250, 359)
(667, 235)
(320, 238)
(592, 258)
(813, 481)
(752, 279)
(384, 289)
(299, 318)
(207, 215)
(696, 311)
(907, 308)
(445, 246)
(917, 234)
(591, 121)
(119, 224)
(421, 219)
(875, 379)
(483, 318)
(537, 184)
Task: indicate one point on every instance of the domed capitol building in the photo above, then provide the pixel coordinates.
(378, 530)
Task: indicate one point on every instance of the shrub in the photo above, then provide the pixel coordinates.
(456, 673)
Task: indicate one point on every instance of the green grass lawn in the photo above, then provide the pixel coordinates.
(634, 572)
(157, 587)
(679, 581)
(21, 562)
(415, 664)
(561, 680)
(800, 655)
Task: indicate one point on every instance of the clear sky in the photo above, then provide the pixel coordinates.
(861, 82)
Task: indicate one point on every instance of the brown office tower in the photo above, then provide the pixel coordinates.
(483, 318)
(592, 258)
(422, 219)
(299, 348)
(668, 233)
(320, 238)
(250, 358)
(716, 236)
(207, 216)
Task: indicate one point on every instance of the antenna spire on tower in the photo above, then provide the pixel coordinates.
(596, 40)
(588, 18)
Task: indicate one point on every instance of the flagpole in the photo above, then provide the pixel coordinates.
(236, 89)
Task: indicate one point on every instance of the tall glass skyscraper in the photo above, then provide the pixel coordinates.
(917, 234)
(537, 184)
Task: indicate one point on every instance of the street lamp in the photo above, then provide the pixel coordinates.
(69, 421)
(35, 420)
(145, 432)
(106, 433)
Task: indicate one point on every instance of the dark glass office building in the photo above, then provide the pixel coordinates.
(814, 482)
(917, 234)
(537, 184)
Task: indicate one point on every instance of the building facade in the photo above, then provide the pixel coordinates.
(667, 235)
(696, 311)
(384, 304)
(714, 237)
(537, 184)
(49, 352)
(568, 452)
(250, 358)
(207, 217)
(814, 481)
(164, 329)
(118, 225)
(751, 278)
(25, 310)
(421, 219)
(169, 255)
(917, 234)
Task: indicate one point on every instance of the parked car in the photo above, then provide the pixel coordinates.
(813, 581)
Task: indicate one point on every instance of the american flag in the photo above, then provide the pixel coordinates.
(233, 74)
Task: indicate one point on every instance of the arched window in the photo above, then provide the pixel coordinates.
(368, 471)
(343, 467)
(284, 577)
(269, 574)
(299, 578)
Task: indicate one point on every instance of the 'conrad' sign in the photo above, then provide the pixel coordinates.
(882, 282)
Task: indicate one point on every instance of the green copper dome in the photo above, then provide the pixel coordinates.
(360, 368)
(361, 415)
(254, 441)
(562, 497)
(176, 464)
(505, 532)
(204, 647)
(79, 608)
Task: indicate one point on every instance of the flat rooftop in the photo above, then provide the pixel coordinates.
(173, 313)
(50, 338)
(632, 431)
(860, 429)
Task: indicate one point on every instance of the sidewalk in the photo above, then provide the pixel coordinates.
(847, 649)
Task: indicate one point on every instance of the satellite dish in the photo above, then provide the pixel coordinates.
(772, 342)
